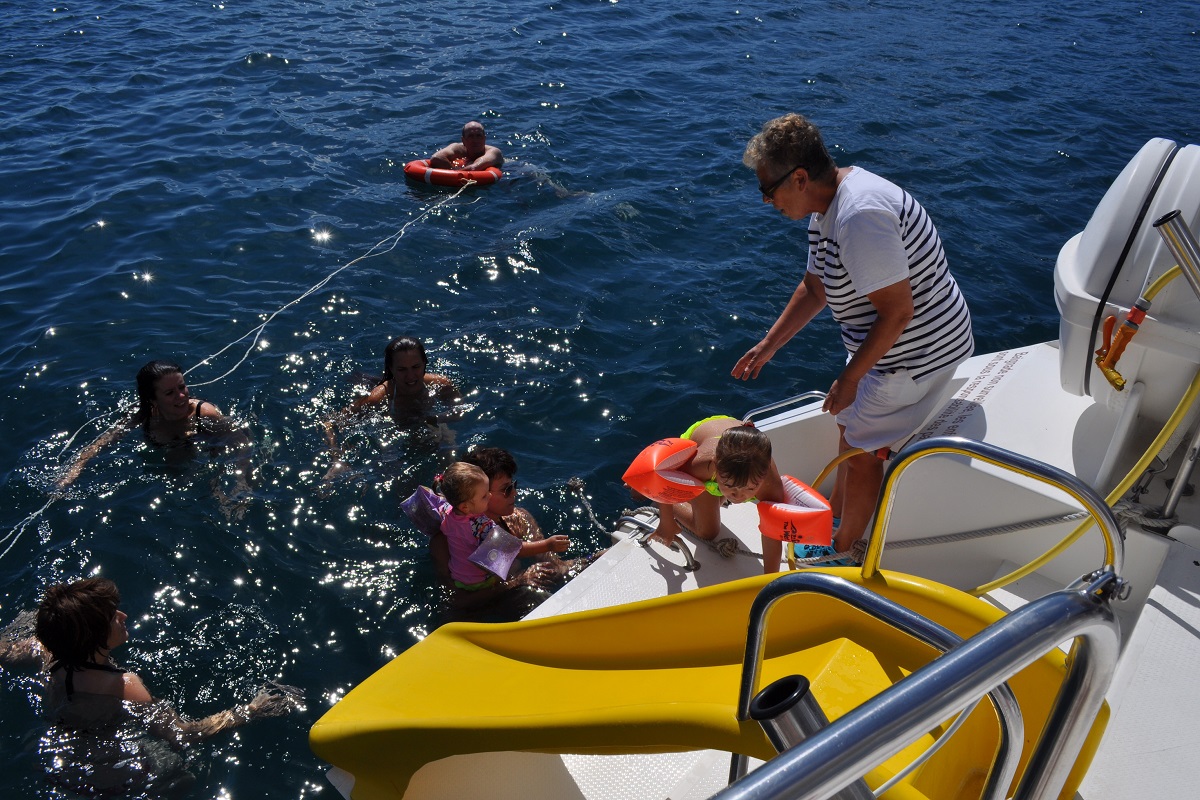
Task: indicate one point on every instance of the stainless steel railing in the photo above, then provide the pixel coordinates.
(899, 617)
(837, 756)
(822, 765)
(791, 401)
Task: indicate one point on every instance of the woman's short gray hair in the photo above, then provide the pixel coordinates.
(789, 142)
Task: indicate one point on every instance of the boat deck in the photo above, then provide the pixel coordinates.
(1151, 730)
(1152, 735)
(1154, 706)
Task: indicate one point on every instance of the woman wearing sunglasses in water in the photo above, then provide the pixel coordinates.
(549, 569)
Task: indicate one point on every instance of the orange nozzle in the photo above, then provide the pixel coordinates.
(1109, 322)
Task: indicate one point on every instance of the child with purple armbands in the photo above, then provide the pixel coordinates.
(467, 489)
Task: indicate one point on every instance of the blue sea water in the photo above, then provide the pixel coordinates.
(176, 173)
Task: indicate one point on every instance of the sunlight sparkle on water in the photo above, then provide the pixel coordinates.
(321, 236)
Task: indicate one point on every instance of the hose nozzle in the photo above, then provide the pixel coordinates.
(1115, 343)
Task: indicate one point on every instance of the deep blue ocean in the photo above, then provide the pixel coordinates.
(176, 173)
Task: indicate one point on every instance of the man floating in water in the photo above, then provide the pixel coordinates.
(473, 153)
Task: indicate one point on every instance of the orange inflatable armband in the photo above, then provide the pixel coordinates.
(655, 472)
(805, 519)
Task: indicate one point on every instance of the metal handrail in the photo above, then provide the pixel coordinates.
(641, 525)
(800, 398)
(822, 765)
(921, 628)
(1114, 545)
(646, 530)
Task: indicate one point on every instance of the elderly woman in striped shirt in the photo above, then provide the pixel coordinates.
(874, 257)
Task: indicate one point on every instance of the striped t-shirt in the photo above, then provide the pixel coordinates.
(873, 235)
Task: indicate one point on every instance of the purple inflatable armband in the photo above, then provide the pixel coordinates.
(426, 509)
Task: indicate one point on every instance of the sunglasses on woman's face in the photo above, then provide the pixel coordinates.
(508, 488)
(768, 192)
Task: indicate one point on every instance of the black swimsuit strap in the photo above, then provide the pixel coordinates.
(70, 681)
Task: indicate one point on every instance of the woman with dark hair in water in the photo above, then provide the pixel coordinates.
(410, 391)
(99, 713)
(79, 625)
(168, 414)
(549, 568)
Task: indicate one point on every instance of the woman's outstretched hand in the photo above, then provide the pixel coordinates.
(749, 365)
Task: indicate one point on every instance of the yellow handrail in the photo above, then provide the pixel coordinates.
(832, 465)
(1152, 451)
(1118, 492)
(991, 454)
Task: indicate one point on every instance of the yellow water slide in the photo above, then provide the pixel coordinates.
(662, 676)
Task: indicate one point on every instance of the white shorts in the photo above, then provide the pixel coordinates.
(890, 407)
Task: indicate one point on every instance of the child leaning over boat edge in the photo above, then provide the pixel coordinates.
(734, 462)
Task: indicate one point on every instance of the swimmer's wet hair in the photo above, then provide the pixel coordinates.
(75, 619)
(147, 380)
(401, 344)
(493, 461)
(743, 455)
(459, 482)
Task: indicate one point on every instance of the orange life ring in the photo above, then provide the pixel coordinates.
(655, 474)
(420, 170)
(805, 519)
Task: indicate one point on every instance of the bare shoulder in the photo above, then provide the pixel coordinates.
(771, 489)
(445, 387)
(521, 524)
(712, 429)
(377, 395)
(209, 410)
(134, 690)
(704, 464)
(706, 437)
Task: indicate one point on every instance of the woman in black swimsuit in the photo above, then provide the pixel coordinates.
(411, 392)
(108, 735)
(167, 413)
(79, 625)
